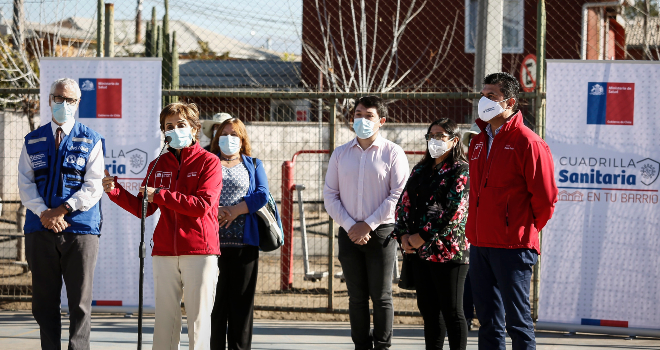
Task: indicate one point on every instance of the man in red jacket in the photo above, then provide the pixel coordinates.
(512, 196)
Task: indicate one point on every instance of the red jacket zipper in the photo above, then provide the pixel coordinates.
(489, 161)
(176, 221)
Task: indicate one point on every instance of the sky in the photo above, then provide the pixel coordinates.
(250, 21)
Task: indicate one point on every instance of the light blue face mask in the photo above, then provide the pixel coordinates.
(229, 144)
(364, 128)
(181, 137)
(63, 112)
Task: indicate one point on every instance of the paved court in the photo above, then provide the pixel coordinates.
(19, 331)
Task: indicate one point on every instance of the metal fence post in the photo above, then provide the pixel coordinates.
(286, 263)
(20, 242)
(540, 69)
(109, 30)
(332, 229)
(540, 125)
(99, 29)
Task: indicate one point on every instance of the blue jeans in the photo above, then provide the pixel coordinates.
(500, 283)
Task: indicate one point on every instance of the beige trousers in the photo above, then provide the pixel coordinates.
(198, 276)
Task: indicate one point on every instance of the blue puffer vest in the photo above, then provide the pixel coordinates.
(59, 173)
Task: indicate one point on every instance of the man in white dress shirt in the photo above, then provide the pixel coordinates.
(362, 186)
(60, 183)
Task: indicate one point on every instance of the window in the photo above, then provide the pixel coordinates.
(284, 113)
(512, 31)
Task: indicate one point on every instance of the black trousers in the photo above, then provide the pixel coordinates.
(234, 298)
(368, 273)
(468, 301)
(440, 301)
(53, 257)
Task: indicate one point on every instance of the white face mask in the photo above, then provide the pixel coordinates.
(181, 137)
(229, 145)
(438, 147)
(489, 109)
(63, 112)
(364, 128)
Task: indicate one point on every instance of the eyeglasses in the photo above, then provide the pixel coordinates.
(438, 136)
(60, 99)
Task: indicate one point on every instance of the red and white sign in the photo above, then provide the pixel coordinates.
(528, 73)
(302, 115)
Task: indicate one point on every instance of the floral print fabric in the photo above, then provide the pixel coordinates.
(434, 204)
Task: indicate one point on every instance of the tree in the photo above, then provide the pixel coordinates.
(353, 66)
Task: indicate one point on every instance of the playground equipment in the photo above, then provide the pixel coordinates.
(309, 275)
(288, 186)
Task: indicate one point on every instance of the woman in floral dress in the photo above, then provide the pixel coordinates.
(430, 222)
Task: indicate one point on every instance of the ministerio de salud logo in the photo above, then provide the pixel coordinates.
(100, 98)
(611, 103)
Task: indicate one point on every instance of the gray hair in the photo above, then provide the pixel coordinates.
(66, 83)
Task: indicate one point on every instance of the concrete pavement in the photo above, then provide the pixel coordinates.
(19, 331)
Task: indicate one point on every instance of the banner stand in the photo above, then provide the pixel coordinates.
(120, 99)
(568, 327)
(599, 267)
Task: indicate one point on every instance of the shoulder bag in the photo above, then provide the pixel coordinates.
(270, 224)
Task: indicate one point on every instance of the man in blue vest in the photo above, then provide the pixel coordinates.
(60, 183)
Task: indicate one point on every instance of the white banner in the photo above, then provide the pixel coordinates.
(600, 262)
(121, 99)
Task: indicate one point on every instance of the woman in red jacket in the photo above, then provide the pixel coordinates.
(186, 188)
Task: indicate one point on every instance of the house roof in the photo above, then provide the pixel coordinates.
(211, 74)
(188, 37)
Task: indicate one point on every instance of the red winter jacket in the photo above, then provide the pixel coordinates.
(188, 202)
(512, 191)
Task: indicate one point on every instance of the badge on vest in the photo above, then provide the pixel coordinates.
(163, 179)
(79, 148)
(38, 160)
(71, 158)
(477, 151)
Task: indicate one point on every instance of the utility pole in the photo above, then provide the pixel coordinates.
(99, 28)
(18, 25)
(109, 30)
(138, 22)
(539, 103)
(647, 51)
(488, 43)
(167, 51)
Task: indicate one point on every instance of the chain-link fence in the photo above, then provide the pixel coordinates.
(306, 269)
(280, 65)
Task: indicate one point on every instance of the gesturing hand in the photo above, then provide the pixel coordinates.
(359, 233)
(108, 182)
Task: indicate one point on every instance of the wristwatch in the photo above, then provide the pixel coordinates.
(68, 207)
(157, 190)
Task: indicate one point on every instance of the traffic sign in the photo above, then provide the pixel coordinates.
(528, 73)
